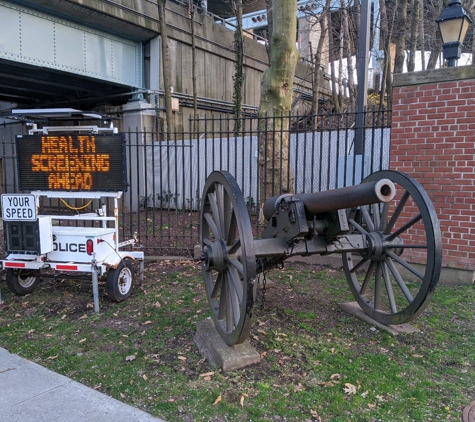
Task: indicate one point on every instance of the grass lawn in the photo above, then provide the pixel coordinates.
(317, 362)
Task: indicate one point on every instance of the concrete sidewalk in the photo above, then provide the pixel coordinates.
(32, 393)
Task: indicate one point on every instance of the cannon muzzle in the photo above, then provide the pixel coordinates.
(382, 190)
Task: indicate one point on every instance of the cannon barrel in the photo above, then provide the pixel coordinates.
(382, 190)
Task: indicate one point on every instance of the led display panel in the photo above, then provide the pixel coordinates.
(72, 162)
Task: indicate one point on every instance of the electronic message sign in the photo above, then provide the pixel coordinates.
(71, 162)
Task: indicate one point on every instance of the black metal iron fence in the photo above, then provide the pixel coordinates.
(166, 176)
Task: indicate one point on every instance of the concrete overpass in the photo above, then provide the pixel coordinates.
(99, 53)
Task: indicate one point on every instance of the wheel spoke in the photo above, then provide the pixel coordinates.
(220, 207)
(369, 275)
(222, 301)
(235, 247)
(377, 220)
(357, 226)
(404, 228)
(377, 287)
(399, 280)
(404, 246)
(229, 308)
(236, 283)
(212, 226)
(231, 227)
(359, 265)
(389, 288)
(406, 265)
(216, 216)
(367, 218)
(384, 216)
(217, 286)
(397, 213)
(235, 305)
(237, 265)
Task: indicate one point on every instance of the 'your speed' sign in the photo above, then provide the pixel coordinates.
(18, 207)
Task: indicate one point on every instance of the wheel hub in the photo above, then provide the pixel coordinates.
(214, 256)
(377, 246)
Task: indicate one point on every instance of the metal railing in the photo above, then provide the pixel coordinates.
(166, 176)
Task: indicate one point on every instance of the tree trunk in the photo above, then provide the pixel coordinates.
(422, 34)
(193, 66)
(349, 55)
(275, 103)
(270, 25)
(165, 66)
(317, 68)
(411, 64)
(401, 38)
(238, 77)
(332, 64)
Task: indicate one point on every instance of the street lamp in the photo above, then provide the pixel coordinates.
(453, 25)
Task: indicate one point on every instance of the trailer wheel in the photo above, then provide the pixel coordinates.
(21, 282)
(120, 281)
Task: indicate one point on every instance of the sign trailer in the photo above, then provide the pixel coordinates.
(65, 167)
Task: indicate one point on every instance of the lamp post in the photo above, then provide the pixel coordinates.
(453, 25)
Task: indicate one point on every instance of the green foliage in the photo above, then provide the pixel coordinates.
(317, 362)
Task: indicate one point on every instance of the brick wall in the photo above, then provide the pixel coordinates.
(433, 140)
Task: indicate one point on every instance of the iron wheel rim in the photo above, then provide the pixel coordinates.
(226, 229)
(383, 294)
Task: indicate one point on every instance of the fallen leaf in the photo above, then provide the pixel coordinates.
(82, 340)
(365, 394)
(335, 376)
(130, 358)
(349, 388)
(218, 399)
(207, 374)
(171, 400)
(122, 395)
(52, 357)
(145, 377)
(83, 317)
(315, 415)
(147, 322)
(241, 402)
(181, 357)
(262, 332)
(326, 384)
(371, 406)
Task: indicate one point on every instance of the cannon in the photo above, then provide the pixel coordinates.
(386, 230)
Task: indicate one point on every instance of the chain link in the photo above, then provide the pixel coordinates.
(261, 292)
(263, 268)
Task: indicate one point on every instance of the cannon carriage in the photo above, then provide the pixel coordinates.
(386, 230)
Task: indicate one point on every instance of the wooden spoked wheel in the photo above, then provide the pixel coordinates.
(395, 277)
(227, 256)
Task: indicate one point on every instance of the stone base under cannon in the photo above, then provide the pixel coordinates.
(218, 353)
